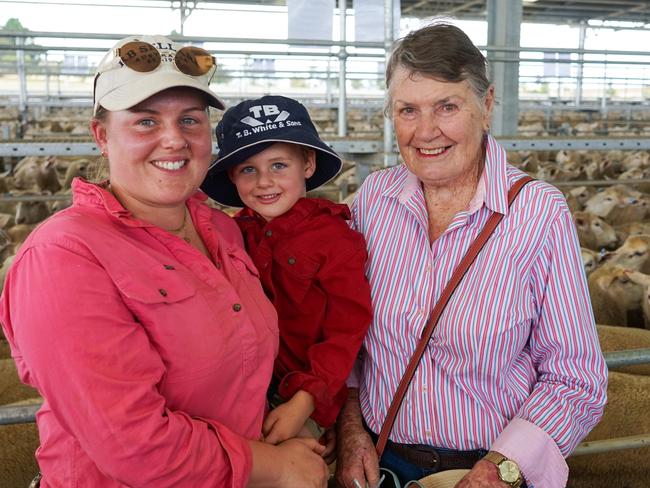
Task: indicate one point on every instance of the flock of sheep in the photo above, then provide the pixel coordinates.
(613, 224)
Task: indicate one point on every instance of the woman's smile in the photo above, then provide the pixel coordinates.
(172, 166)
(434, 152)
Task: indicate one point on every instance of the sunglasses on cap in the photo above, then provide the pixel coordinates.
(144, 57)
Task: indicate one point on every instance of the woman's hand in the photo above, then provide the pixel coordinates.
(296, 463)
(357, 462)
(286, 420)
(484, 474)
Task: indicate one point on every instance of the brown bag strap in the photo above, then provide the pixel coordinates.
(459, 272)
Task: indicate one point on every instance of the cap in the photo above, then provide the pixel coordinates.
(119, 87)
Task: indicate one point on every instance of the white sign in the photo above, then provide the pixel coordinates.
(369, 20)
(310, 19)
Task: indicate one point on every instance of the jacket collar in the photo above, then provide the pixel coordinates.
(304, 208)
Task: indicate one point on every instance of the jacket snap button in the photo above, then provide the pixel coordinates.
(269, 233)
(291, 260)
(162, 291)
(236, 307)
(169, 266)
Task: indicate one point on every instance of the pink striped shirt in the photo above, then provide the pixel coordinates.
(514, 363)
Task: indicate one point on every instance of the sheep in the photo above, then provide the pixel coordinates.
(6, 245)
(5, 351)
(615, 298)
(11, 388)
(4, 268)
(31, 212)
(625, 415)
(35, 175)
(593, 232)
(615, 338)
(623, 231)
(19, 232)
(633, 254)
(78, 167)
(577, 197)
(618, 204)
(590, 260)
(643, 280)
(18, 442)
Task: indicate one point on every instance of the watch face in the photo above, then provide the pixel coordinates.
(508, 471)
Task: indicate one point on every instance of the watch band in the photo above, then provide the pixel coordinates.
(494, 457)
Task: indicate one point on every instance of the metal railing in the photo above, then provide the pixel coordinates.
(22, 414)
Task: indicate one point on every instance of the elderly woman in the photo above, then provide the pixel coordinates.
(136, 312)
(513, 376)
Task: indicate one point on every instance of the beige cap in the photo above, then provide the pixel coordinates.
(118, 87)
(443, 479)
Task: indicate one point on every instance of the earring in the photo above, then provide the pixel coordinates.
(103, 153)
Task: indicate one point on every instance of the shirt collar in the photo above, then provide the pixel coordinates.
(491, 190)
(97, 194)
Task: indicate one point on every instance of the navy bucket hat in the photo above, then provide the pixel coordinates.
(250, 127)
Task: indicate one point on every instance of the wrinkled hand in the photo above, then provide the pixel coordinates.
(357, 458)
(328, 439)
(484, 474)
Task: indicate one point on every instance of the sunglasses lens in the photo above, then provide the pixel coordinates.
(194, 61)
(139, 56)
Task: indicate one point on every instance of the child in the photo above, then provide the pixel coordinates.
(311, 263)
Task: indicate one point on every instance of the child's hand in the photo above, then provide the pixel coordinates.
(328, 439)
(286, 421)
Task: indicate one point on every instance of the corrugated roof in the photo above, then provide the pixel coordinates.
(554, 11)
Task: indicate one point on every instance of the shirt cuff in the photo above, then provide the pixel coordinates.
(355, 375)
(538, 456)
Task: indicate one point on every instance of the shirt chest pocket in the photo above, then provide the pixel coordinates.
(155, 287)
(293, 275)
(162, 301)
(179, 323)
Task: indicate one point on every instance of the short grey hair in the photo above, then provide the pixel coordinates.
(441, 51)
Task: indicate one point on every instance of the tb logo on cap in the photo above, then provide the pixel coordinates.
(268, 111)
(265, 118)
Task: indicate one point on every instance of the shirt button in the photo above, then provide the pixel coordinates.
(236, 307)
(217, 265)
(269, 233)
(169, 266)
(162, 291)
(291, 261)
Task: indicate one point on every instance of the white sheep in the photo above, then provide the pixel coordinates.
(626, 414)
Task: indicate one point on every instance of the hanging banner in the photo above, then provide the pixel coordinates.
(369, 20)
(311, 19)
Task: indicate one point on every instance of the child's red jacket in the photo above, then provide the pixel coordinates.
(312, 267)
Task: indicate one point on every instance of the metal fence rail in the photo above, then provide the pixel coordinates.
(26, 413)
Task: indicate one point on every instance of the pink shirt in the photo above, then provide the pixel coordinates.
(152, 359)
(514, 364)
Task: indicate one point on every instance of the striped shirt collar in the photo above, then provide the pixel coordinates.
(492, 188)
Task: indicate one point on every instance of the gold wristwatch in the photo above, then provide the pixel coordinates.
(508, 470)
